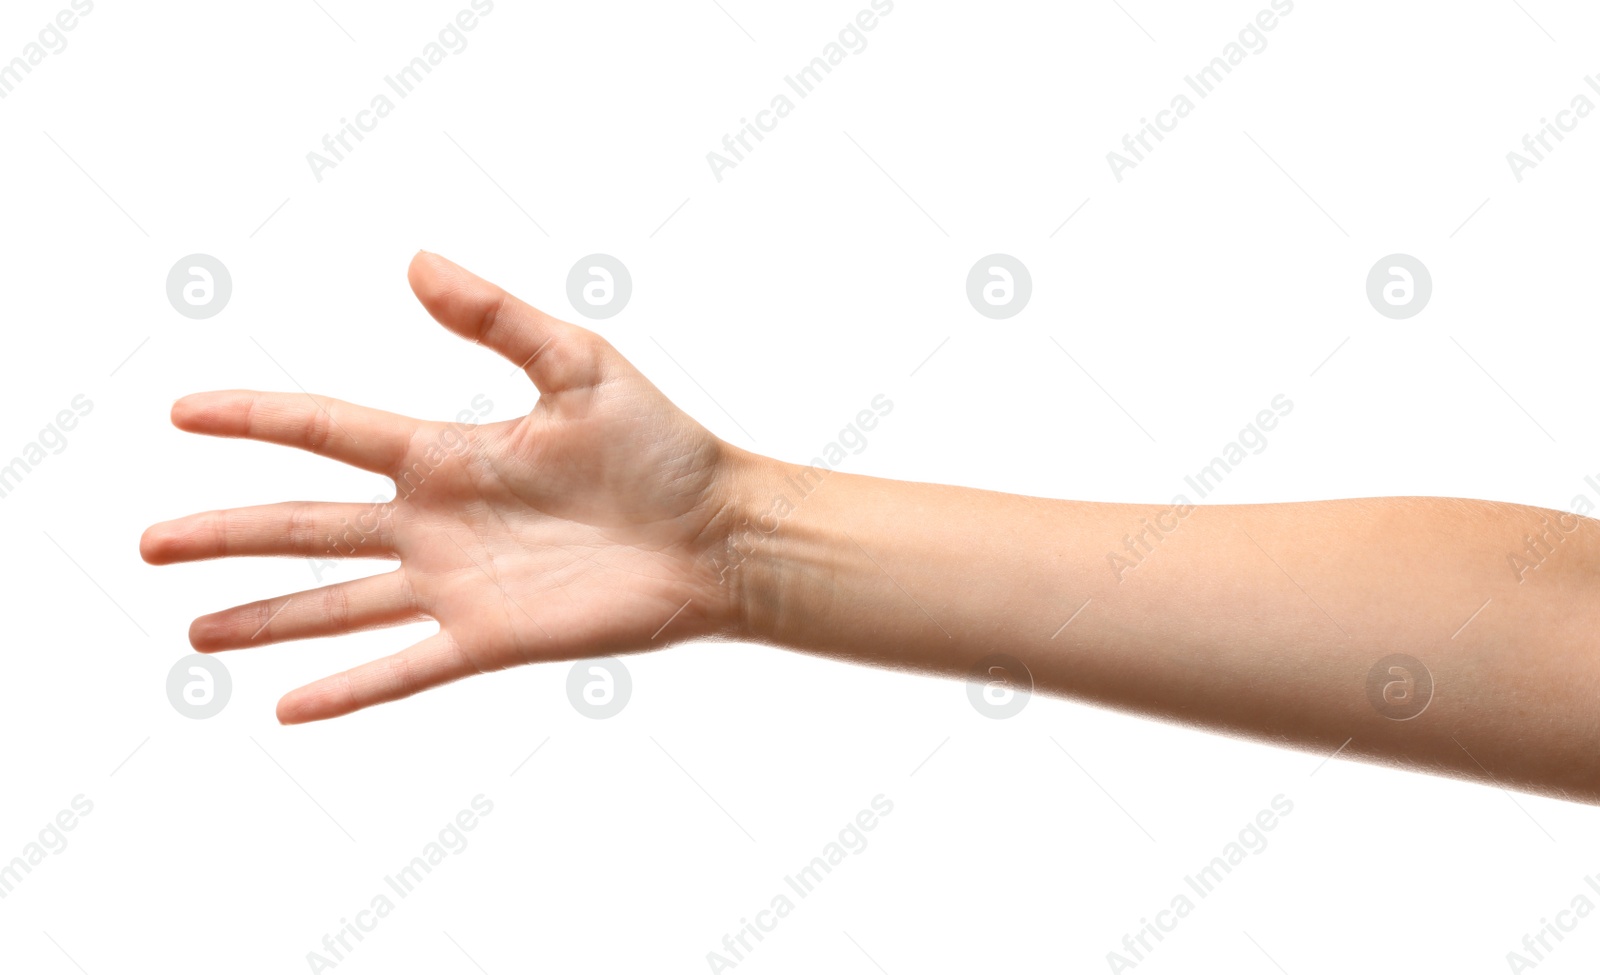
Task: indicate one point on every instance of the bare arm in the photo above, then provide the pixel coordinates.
(1308, 624)
(607, 521)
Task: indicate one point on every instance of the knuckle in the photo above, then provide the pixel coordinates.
(250, 420)
(318, 427)
(490, 321)
(301, 529)
(406, 679)
(260, 622)
(336, 607)
(578, 358)
(216, 526)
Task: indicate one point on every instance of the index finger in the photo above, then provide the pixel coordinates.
(369, 439)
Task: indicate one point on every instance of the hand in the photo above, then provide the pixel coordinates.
(594, 525)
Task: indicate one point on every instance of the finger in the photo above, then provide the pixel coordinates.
(435, 661)
(555, 355)
(308, 528)
(369, 439)
(363, 604)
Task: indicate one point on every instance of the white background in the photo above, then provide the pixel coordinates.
(820, 272)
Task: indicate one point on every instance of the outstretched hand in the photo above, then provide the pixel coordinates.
(589, 527)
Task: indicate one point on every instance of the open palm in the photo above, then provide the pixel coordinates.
(593, 525)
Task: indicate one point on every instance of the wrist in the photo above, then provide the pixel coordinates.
(743, 556)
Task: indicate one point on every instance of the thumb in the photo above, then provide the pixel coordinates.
(554, 354)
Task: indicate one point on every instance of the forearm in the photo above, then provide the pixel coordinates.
(1260, 620)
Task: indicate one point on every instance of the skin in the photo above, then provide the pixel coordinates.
(607, 521)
